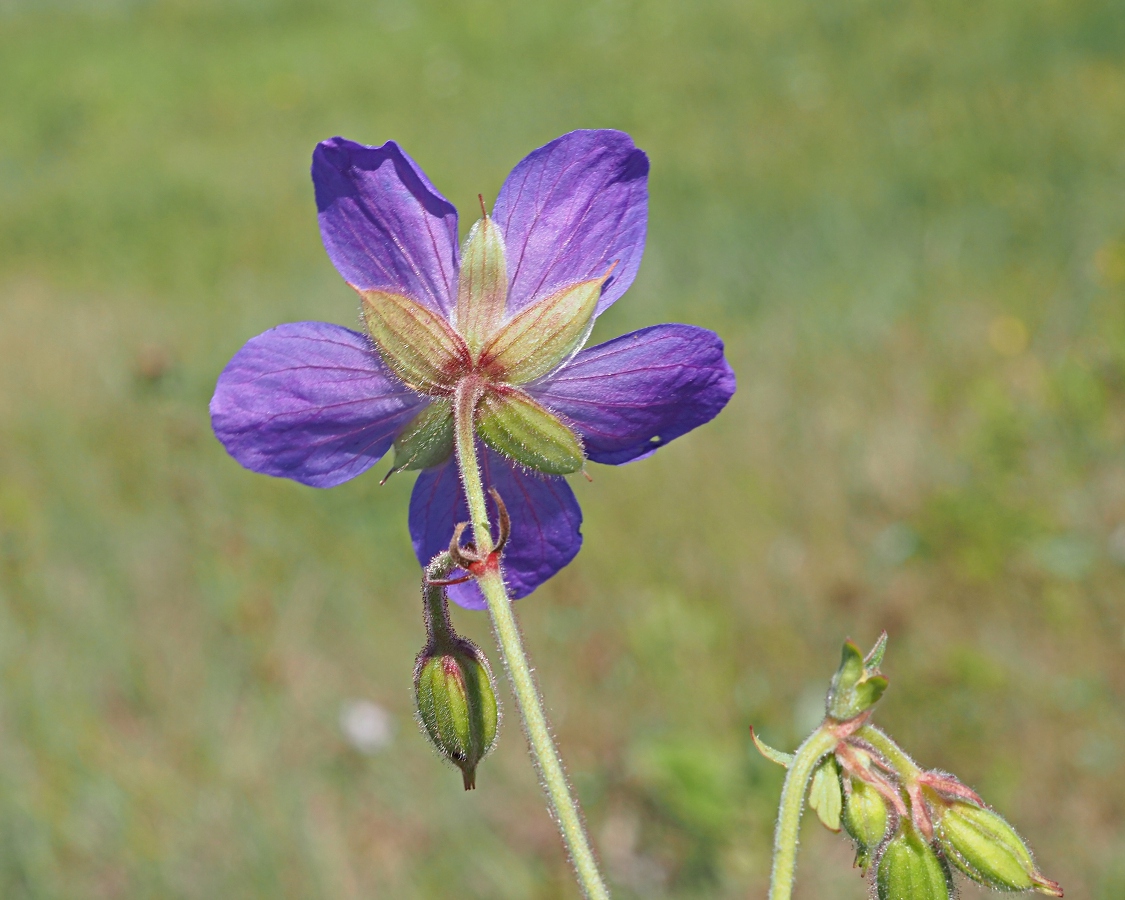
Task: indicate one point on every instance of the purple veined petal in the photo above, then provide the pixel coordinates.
(546, 523)
(569, 211)
(309, 401)
(631, 395)
(384, 225)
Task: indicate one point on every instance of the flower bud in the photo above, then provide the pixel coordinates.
(865, 819)
(858, 684)
(456, 699)
(987, 849)
(909, 869)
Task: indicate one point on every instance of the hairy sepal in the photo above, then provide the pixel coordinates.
(482, 289)
(909, 869)
(417, 344)
(544, 336)
(427, 440)
(513, 424)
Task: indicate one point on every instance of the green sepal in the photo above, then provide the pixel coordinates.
(513, 424)
(865, 819)
(542, 337)
(785, 760)
(456, 699)
(417, 344)
(482, 288)
(857, 685)
(874, 659)
(988, 850)
(909, 869)
(825, 795)
(427, 440)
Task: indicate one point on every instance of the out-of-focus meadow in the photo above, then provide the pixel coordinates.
(907, 219)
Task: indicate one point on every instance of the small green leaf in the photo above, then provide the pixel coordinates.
(510, 422)
(542, 337)
(482, 290)
(417, 344)
(825, 796)
(785, 760)
(427, 441)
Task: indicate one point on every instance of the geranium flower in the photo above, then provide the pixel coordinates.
(510, 311)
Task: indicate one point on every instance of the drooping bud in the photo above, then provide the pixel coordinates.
(453, 686)
(543, 336)
(858, 684)
(986, 848)
(909, 869)
(825, 795)
(513, 424)
(417, 344)
(482, 287)
(427, 440)
(865, 819)
(456, 699)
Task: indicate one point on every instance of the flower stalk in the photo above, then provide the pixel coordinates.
(793, 792)
(564, 807)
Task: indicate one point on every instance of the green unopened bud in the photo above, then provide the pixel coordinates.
(987, 849)
(456, 700)
(865, 819)
(858, 684)
(909, 869)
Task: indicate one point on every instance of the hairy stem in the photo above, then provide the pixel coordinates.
(543, 751)
(892, 752)
(439, 631)
(789, 812)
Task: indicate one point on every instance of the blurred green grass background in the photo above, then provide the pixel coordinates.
(907, 219)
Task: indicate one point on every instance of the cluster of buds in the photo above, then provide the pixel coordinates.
(912, 828)
(454, 691)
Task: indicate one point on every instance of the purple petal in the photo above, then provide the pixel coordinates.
(546, 523)
(309, 401)
(631, 395)
(384, 225)
(570, 210)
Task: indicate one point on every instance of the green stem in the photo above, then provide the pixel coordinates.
(439, 630)
(895, 755)
(543, 751)
(789, 812)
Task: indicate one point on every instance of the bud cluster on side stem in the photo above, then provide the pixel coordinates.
(912, 828)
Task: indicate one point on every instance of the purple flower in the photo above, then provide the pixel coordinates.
(510, 311)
